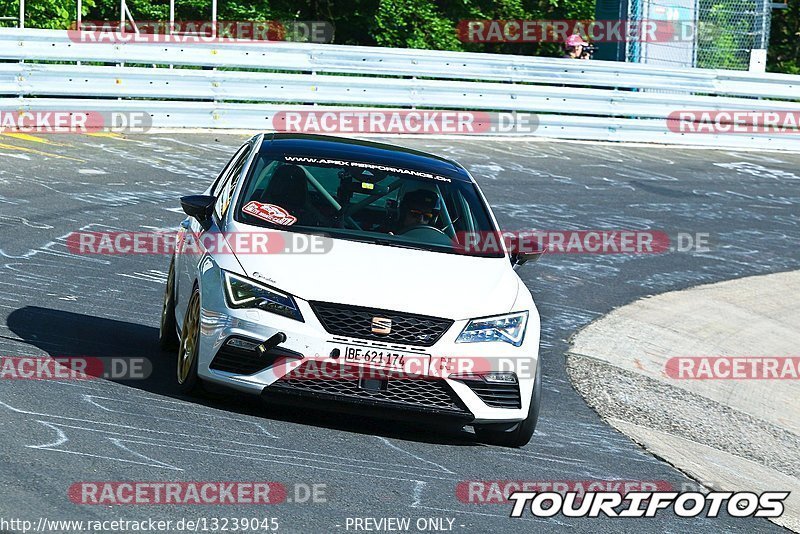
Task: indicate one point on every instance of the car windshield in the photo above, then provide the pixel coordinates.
(363, 201)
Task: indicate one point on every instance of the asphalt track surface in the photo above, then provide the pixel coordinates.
(53, 434)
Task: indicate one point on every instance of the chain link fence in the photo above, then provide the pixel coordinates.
(712, 34)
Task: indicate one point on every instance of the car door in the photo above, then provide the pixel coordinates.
(189, 249)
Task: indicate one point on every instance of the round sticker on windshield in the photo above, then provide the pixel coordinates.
(270, 213)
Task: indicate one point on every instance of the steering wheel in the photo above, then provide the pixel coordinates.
(421, 227)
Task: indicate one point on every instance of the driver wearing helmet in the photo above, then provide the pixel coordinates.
(417, 208)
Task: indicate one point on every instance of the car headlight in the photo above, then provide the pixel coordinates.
(244, 293)
(509, 328)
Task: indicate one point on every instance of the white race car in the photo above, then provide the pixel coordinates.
(341, 274)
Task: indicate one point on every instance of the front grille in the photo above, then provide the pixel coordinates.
(496, 395)
(406, 328)
(401, 392)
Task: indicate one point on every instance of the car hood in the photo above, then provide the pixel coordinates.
(392, 278)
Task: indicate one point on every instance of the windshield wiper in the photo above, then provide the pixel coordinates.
(381, 241)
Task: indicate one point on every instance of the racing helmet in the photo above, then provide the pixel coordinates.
(424, 202)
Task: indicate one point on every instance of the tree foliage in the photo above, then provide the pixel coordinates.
(51, 14)
(414, 24)
(427, 24)
(784, 42)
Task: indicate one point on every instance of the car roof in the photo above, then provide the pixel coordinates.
(330, 147)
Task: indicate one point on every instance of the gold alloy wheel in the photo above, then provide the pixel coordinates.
(190, 339)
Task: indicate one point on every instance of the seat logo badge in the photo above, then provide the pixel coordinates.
(381, 325)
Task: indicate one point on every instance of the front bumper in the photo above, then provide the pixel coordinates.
(275, 376)
(362, 405)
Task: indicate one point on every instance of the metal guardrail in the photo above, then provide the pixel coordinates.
(161, 83)
(574, 99)
(56, 45)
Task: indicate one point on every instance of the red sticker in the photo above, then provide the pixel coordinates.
(270, 213)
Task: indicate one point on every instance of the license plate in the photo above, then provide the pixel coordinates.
(384, 358)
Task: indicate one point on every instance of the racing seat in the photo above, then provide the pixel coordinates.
(288, 188)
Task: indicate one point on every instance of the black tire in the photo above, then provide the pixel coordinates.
(520, 434)
(186, 377)
(167, 331)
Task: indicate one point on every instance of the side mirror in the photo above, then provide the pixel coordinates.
(521, 258)
(201, 207)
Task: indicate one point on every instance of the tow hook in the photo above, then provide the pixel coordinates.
(271, 343)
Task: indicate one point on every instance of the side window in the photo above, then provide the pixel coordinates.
(228, 183)
(223, 176)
